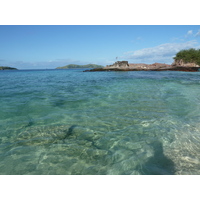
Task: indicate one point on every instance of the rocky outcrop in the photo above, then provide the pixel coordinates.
(118, 65)
(143, 66)
(181, 63)
(124, 66)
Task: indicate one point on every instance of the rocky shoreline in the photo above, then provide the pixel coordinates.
(125, 66)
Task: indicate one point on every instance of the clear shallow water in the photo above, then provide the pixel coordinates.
(70, 122)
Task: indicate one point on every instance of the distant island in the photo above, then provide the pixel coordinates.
(185, 60)
(7, 68)
(74, 66)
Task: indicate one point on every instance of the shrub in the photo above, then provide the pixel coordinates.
(189, 56)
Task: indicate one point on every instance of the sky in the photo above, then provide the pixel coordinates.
(51, 46)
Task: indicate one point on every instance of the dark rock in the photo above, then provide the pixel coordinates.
(184, 69)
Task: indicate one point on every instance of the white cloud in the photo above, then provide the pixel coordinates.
(197, 34)
(139, 38)
(160, 53)
(190, 32)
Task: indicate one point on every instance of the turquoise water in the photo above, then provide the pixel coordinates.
(74, 122)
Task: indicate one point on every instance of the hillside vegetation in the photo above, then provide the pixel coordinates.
(7, 68)
(73, 66)
(189, 56)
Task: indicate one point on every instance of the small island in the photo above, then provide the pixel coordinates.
(7, 68)
(74, 66)
(185, 60)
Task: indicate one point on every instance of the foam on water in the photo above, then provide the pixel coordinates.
(70, 122)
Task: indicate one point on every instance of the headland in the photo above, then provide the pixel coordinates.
(7, 68)
(178, 65)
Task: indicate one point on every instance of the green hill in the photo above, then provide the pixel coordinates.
(189, 56)
(73, 66)
(7, 68)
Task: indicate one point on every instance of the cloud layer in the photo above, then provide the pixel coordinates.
(160, 53)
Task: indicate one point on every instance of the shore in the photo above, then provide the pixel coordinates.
(125, 66)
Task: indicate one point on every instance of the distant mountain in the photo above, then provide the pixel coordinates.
(7, 68)
(73, 66)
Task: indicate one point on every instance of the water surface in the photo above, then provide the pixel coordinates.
(74, 122)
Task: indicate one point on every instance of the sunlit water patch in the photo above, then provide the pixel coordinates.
(72, 122)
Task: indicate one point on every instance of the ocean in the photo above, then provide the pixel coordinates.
(70, 122)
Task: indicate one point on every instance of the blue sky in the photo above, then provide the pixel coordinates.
(37, 47)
